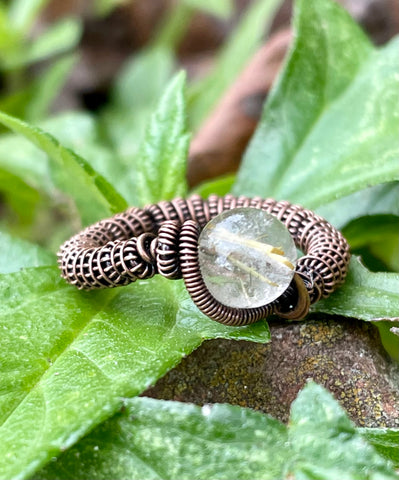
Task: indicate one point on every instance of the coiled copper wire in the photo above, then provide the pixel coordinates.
(163, 238)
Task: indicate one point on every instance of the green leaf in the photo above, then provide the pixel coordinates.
(142, 79)
(370, 229)
(76, 131)
(218, 186)
(17, 254)
(105, 7)
(326, 444)
(20, 198)
(389, 333)
(59, 38)
(155, 439)
(94, 196)
(379, 233)
(32, 102)
(79, 353)
(173, 26)
(364, 295)
(23, 159)
(15, 103)
(238, 49)
(220, 8)
(9, 37)
(134, 96)
(387, 250)
(48, 87)
(380, 199)
(328, 128)
(162, 158)
(369, 221)
(79, 131)
(22, 13)
(385, 441)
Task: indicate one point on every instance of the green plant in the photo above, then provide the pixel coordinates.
(72, 361)
(20, 50)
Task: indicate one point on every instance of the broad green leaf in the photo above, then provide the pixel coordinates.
(19, 198)
(94, 196)
(380, 199)
(326, 444)
(385, 441)
(155, 439)
(80, 132)
(379, 234)
(161, 161)
(220, 8)
(59, 38)
(17, 254)
(238, 49)
(369, 220)
(23, 159)
(77, 131)
(68, 357)
(328, 128)
(364, 295)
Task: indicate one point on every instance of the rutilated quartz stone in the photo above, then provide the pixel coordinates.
(247, 257)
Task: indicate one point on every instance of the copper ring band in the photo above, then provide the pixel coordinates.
(163, 238)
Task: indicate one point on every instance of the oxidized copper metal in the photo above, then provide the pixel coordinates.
(163, 238)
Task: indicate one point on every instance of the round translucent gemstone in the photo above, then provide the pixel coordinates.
(247, 257)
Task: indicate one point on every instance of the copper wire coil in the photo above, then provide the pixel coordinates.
(167, 252)
(163, 238)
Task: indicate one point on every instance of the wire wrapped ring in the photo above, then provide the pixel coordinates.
(163, 238)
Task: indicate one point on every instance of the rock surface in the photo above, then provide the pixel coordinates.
(343, 355)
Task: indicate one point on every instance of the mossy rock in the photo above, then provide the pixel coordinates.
(344, 355)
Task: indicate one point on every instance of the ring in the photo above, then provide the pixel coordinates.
(238, 256)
